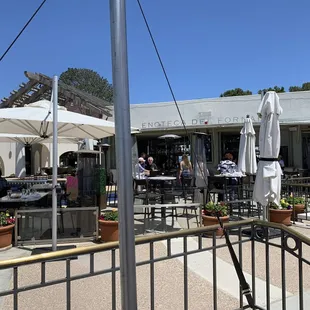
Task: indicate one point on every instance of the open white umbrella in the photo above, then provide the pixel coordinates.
(36, 119)
(247, 154)
(267, 186)
(46, 120)
(32, 139)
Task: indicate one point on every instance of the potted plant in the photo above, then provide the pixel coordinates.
(7, 223)
(209, 215)
(298, 204)
(281, 214)
(108, 225)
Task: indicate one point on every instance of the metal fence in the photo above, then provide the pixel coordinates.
(253, 241)
(297, 189)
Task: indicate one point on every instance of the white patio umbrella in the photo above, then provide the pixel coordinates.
(46, 120)
(247, 155)
(267, 186)
(36, 119)
(32, 139)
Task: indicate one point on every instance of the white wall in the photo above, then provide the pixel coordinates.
(12, 156)
(216, 111)
(7, 158)
(47, 158)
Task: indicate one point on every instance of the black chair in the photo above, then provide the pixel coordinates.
(216, 186)
(140, 190)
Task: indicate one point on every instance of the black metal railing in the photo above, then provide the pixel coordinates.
(255, 242)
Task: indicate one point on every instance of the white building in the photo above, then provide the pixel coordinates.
(222, 119)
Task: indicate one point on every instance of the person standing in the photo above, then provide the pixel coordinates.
(185, 167)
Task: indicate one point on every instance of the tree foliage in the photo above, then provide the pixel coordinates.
(277, 89)
(304, 87)
(236, 92)
(89, 81)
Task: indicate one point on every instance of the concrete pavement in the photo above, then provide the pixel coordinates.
(95, 292)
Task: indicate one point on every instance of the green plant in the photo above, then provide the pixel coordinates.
(284, 205)
(295, 200)
(6, 219)
(212, 209)
(110, 215)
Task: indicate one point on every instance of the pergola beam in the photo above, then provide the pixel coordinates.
(39, 86)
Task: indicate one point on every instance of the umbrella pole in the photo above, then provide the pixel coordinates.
(55, 162)
(123, 144)
(265, 208)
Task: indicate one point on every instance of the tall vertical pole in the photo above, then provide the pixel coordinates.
(55, 162)
(265, 208)
(123, 154)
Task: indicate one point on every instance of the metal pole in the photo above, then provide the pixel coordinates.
(55, 162)
(265, 208)
(123, 146)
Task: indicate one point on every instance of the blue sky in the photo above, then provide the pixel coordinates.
(207, 46)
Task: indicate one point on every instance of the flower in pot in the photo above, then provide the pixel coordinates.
(108, 224)
(281, 213)
(7, 223)
(298, 204)
(210, 212)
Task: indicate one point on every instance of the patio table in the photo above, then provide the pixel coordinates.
(25, 198)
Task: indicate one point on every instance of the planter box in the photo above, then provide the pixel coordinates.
(212, 220)
(298, 208)
(280, 216)
(108, 230)
(6, 233)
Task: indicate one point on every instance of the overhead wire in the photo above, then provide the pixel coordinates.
(170, 86)
(23, 29)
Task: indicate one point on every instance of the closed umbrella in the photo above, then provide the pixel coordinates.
(247, 154)
(267, 186)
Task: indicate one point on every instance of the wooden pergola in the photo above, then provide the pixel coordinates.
(39, 87)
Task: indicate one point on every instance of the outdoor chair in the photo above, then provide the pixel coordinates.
(216, 188)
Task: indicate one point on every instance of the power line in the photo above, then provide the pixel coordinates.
(20, 33)
(170, 87)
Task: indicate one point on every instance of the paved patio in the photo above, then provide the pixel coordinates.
(95, 292)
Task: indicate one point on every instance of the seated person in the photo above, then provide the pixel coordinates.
(140, 172)
(151, 166)
(143, 155)
(227, 165)
(3, 185)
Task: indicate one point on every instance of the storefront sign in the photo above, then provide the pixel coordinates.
(197, 121)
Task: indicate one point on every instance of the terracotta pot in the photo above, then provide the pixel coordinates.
(280, 216)
(108, 230)
(6, 233)
(299, 208)
(209, 220)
